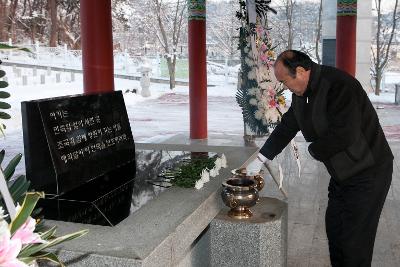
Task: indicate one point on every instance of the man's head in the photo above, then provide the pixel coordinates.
(293, 69)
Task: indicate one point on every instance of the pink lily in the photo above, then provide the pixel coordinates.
(9, 250)
(25, 233)
(263, 57)
(271, 92)
(272, 103)
(263, 47)
(259, 30)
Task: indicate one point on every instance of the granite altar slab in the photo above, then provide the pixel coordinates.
(160, 232)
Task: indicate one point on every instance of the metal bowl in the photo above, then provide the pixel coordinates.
(258, 178)
(239, 194)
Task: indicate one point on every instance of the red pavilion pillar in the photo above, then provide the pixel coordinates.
(346, 31)
(197, 68)
(97, 46)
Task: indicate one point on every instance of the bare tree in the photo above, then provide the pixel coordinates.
(222, 26)
(69, 32)
(12, 19)
(170, 18)
(289, 5)
(32, 20)
(283, 24)
(3, 18)
(385, 31)
(318, 33)
(52, 4)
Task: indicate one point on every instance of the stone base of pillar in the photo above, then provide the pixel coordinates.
(258, 241)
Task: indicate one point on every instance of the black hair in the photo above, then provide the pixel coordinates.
(292, 59)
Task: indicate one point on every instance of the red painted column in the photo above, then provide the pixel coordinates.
(346, 31)
(97, 46)
(197, 69)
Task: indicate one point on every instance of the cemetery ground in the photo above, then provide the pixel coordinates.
(166, 113)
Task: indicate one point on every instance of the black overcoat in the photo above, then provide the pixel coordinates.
(337, 117)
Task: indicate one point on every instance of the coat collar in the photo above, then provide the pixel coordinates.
(314, 79)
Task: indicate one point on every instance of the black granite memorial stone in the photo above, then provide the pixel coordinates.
(71, 140)
(80, 151)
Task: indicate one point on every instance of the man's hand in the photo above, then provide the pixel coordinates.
(254, 167)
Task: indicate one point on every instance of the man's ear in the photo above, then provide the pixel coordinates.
(300, 70)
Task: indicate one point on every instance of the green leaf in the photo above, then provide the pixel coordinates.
(4, 116)
(2, 73)
(29, 251)
(42, 256)
(27, 207)
(19, 188)
(2, 153)
(4, 105)
(49, 233)
(2, 127)
(4, 94)
(10, 169)
(3, 84)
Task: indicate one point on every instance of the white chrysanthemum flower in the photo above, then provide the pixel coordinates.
(263, 85)
(205, 176)
(252, 75)
(253, 102)
(272, 115)
(213, 173)
(248, 61)
(259, 114)
(218, 164)
(264, 121)
(224, 162)
(252, 91)
(261, 104)
(199, 184)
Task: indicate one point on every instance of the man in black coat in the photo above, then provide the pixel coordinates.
(334, 113)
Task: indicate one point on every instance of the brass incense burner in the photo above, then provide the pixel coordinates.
(243, 174)
(239, 194)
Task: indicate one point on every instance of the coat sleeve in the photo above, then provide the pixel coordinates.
(344, 122)
(283, 133)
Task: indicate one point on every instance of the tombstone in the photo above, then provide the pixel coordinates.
(87, 156)
(24, 80)
(34, 71)
(42, 79)
(58, 77)
(72, 76)
(48, 71)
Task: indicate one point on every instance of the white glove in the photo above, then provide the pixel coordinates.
(254, 167)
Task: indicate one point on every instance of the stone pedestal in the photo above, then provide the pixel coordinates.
(258, 241)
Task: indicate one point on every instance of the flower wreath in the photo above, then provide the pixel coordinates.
(260, 98)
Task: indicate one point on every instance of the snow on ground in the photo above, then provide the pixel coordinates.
(384, 97)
